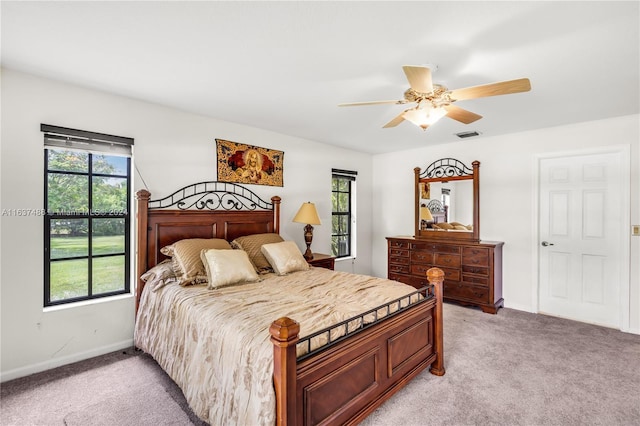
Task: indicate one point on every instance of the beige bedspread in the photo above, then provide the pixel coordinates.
(215, 343)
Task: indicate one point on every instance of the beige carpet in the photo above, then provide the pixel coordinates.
(517, 368)
(119, 411)
(118, 389)
(513, 368)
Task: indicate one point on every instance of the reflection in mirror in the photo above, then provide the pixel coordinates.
(446, 202)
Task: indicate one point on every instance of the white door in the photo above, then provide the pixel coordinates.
(581, 237)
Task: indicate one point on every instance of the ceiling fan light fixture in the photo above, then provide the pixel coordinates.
(424, 117)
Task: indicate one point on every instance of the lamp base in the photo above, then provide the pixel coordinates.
(308, 237)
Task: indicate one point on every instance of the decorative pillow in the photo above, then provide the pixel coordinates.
(252, 244)
(186, 258)
(460, 228)
(160, 275)
(227, 267)
(284, 257)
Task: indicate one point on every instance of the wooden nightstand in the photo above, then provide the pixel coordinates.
(322, 261)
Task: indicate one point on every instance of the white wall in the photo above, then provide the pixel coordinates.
(172, 149)
(507, 196)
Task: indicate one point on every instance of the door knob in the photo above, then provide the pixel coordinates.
(545, 244)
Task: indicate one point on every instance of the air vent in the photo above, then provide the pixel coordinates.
(464, 135)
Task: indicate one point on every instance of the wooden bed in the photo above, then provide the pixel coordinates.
(340, 383)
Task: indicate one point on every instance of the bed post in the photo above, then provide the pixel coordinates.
(284, 336)
(275, 200)
(436, 277)
(142, 215)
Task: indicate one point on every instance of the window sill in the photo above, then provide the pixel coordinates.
(87, 302)
(341, 259)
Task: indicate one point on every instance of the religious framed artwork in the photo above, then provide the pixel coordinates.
(425, 190)
(241, 163)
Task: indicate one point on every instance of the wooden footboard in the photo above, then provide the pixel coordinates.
(345, 384)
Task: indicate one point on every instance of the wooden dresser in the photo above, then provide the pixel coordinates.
(473, 270)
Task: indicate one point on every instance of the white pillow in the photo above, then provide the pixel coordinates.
(284, 257)
(227, 267)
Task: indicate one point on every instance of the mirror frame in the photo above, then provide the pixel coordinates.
(445, 170)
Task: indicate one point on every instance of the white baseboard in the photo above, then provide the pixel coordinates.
(57, 362)
(518, 307)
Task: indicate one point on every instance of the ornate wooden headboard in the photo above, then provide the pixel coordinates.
(201, 210)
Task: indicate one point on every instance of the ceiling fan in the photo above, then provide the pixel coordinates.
(434, 101)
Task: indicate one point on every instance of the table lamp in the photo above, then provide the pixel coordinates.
(309, 216)
(425, 216)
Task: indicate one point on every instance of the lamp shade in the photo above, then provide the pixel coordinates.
(425, 214)
(307, 214)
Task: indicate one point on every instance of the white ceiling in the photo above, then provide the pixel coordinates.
(284, 66)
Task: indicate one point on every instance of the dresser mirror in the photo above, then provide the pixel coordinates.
(447, 200)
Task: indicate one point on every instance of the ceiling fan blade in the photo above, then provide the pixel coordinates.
(461, 115)
(400, 102)
(492, 89)
(419, 78)
(397, 120)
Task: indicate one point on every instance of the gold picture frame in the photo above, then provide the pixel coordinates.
(248, 164)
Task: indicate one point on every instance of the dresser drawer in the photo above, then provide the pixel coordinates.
(478, 270)
(398, 244)
(398, 269)
(420, 271)
(421, 257)
(418, 282)
(447, 249)
(463, 291)
(396, 252)
(475, 256)
(435, 248)
(446, 260)
(473, 279)
(399, 260)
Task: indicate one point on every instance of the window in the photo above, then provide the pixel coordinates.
(343, 184)
(86, 215)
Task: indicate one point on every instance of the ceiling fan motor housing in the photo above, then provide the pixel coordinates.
(439, 97)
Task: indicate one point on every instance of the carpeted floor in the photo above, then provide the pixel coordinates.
(118, 389)
(513, 368)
